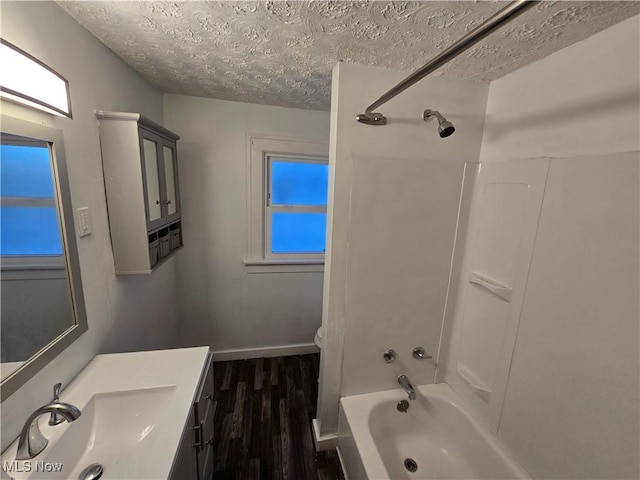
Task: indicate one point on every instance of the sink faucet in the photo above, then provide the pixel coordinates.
(405, 383)
(55, 419)
(31, 441)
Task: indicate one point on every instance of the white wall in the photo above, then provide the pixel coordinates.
(394, 198)
(133, 313)
(572, 400)
(221, 304)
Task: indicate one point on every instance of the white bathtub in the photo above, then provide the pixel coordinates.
(437, 432)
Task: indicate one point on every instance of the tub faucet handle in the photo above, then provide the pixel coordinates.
(420, 354)
(389, 356)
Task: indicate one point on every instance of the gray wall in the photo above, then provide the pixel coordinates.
(220, 302)
(134, 313)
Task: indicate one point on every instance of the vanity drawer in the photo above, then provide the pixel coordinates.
(205, 455)
(185, 465)
(207, 425)
(204, 410)
(205, 394)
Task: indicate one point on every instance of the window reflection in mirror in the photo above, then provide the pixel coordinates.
(42, 309)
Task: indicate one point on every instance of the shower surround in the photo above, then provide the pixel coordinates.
(533, 287)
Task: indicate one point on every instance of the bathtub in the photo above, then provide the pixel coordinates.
(437, 435)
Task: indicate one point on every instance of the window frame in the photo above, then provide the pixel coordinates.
(270, 208)
(260, 152)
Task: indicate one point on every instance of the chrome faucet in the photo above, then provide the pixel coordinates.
(56, 419)
(31, 441)
(405, 383)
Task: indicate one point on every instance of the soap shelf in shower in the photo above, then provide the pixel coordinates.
(495, 287)
(474, 382)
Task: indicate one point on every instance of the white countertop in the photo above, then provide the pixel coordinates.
(174, 372)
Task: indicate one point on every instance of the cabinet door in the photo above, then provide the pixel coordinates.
(152, 176)
(206, 471)
(204, 417)
(185, 466)
(172, 197)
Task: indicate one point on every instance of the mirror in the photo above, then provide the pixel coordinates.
(42, 307)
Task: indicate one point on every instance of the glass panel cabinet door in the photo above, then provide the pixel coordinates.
(170, 179)
(152, 179)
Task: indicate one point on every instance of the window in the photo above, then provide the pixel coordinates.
(30, 233)
(296, 206)
(288, 204)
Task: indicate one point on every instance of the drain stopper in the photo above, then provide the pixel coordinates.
(411, 465)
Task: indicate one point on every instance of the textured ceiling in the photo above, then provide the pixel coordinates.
(282, 52)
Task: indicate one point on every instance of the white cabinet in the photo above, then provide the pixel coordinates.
(140, 163)
(194, 459)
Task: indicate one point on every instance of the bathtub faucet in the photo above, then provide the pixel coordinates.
(405, 383)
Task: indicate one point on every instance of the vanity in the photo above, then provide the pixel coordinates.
(144, 415)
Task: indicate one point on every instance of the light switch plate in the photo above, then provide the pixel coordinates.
(83, 219)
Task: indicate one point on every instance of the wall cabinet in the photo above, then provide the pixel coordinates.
(194, 459)
(140, 164)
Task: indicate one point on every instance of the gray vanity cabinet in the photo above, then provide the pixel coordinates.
(204, 410)
(185, 466)
(140, 164)
(194, 459)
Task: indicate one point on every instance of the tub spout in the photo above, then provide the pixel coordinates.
(405, 383)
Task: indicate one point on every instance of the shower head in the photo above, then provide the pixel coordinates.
(445, 127)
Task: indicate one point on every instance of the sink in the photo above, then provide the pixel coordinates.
(134, 405)
(116, 429)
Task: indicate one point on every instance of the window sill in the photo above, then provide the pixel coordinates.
(268, 265)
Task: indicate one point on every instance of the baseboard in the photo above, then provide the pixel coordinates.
(279, 351)
(326, 442)
(344, 470)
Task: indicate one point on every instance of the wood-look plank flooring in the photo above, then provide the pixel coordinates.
(263, 418)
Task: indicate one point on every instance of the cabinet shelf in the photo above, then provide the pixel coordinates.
(140, 164)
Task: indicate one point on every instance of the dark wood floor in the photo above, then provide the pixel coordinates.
(263, 418)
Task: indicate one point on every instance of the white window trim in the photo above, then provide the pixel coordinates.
(259, 148)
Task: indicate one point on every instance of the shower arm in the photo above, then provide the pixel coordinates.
(369, 117)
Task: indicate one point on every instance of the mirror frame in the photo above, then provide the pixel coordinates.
(39, 360)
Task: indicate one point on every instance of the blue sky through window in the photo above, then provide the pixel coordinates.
(28, 229)
(25, 172)
(298, 232)
(299, 183)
